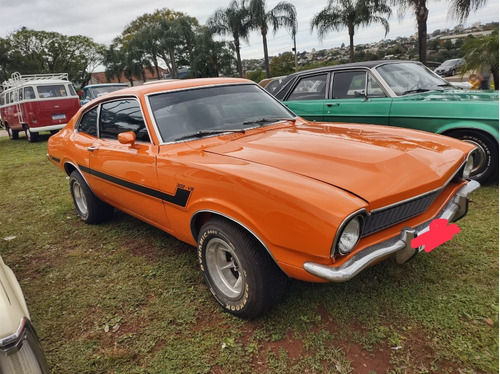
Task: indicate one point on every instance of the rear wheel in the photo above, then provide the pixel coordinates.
(89, 207)
(13, 134)
(485, 157)
(241, 275)
(30, 135)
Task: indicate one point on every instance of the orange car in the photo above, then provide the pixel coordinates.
(263, 194)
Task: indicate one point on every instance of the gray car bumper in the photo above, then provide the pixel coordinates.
(399, 245)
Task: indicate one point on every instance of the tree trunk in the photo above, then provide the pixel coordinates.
(266, 54)
(351, 43)
(238, 57)
(422, 13)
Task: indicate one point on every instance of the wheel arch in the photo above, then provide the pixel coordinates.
(474, 127)
(202, 216)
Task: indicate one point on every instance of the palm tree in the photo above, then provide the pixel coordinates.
(460, 9)
(350, 14)
(481, 54)
(233, 20)
(282, 15)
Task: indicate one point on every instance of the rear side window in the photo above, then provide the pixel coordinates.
(29, 93)
(121, 116)
(346, 84)
(310, 88)
(88, 123)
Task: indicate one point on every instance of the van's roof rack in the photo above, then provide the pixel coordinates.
(17, 79)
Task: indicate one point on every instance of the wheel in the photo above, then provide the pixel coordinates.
(89, 207)
(241, 275)
(30, 135)
(13, 134)
(486, 156)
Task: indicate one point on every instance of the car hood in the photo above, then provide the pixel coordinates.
(473, 96)
(382, 165)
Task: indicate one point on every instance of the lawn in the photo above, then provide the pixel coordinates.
(124, 297)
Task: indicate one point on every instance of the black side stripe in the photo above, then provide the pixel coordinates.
(180, 198)
(58, 160)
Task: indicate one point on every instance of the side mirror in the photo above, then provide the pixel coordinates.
(360, 93)
(127, 137)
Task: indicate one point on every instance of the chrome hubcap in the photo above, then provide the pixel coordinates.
(80, 200)
(224, 269)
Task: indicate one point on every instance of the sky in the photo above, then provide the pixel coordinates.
(103, 20)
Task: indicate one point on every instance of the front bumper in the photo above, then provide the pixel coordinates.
(399, 245)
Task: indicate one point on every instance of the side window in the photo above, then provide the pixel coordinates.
(21, 94)
(374, 89)
(121, 116)
(345, 84)
(29, 93)
(88, 123)
(310, 88)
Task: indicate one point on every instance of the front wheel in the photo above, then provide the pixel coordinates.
(241, 275)
(89, 207)
(485, 157)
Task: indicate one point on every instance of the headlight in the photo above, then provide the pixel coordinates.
(468, 167)
(22, 353)
(349, 236)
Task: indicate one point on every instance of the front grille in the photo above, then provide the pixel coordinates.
(393, 215)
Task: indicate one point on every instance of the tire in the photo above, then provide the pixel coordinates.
(30, 135)
(13, 134)
(89, 207)
(486, 157)
(241, 275)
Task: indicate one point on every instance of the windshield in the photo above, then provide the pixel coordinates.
(408, 78)
(213, 110)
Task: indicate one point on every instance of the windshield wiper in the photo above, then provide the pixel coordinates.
(263, 121)
(207, 132)
(416, 90)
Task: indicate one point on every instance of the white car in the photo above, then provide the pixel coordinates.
(20, 349)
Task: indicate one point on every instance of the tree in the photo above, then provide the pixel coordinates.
(210, 57)
(114, 63)
(283, 64)
(282, 15)
(39, 52)
(461, 9)
(481, 54)
(350, 14)
(233, 20)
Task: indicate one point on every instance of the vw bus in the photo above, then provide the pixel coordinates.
(36, 103)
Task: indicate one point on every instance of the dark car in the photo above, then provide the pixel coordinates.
(397, 93)
(450, 67)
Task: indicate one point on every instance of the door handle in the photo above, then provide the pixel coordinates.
(92, 148)
(329, 105)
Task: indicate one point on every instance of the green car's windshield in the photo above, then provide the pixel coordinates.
(408, 78)
(207, 111)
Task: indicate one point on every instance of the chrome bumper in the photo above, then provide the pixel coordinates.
(399, 245)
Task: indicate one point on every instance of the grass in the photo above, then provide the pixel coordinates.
(124, 297)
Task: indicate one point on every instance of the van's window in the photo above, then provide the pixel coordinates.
(29, 93)
(72, 91)
(2, 99)
(20, 94)
(121, 116)
(54, 90)
(88, 123)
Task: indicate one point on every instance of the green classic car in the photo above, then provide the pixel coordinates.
(397, 93)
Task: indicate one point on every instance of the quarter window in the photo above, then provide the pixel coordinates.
(310, 88)
(121, 116)
(88, 123)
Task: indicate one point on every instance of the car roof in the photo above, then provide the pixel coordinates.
(363, 64)
(177, 85)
